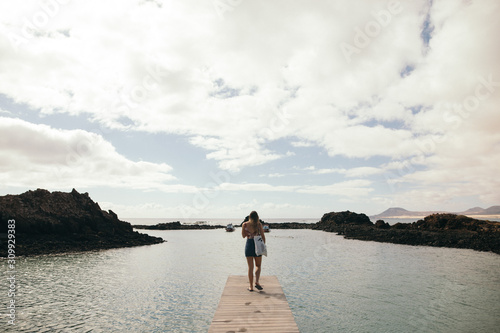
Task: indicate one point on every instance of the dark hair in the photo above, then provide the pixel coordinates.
(254, 220)
(254, 216)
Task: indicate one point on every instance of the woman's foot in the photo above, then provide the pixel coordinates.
(249, 289)
(258, 286)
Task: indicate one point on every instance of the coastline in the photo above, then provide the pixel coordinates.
(58, 222)
(418, 217)
(46, 222)
(481, 217)
(439, 230)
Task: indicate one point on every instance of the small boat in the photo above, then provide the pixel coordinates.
(229, 227)
(266, 228)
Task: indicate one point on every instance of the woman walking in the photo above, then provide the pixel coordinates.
(250, 229)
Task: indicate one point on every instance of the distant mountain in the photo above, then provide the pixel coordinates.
(399, 212)
(395, 211)
(475, 210)
(493, 210)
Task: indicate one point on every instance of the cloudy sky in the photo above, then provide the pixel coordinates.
(191, 109)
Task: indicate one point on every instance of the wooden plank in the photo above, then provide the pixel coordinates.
(240, 310)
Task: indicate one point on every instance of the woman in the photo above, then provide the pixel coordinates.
(250, 229)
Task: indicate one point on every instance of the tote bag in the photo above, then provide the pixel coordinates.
(260, 246)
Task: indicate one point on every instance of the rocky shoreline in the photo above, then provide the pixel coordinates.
(55, 222)
(291, 225)
(177, 226)
(441, 230)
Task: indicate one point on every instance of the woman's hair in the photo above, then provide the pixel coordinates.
(254, 220)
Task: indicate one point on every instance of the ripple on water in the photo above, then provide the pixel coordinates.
(332, 284)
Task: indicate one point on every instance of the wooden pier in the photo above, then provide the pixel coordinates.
(240, 310)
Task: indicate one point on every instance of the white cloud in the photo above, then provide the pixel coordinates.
(356, 187)
(311, 167)
(273, 175)
(255, 187)
(233, 155)
(41, 156)
(302, 144)
(353, 172)
(154, 209)
(327, 171)
(350, 188)
(168, 86)
(185, 68)
(271, 206)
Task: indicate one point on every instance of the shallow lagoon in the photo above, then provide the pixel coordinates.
(332, 285)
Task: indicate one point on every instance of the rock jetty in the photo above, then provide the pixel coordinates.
(283, 225)
(181, 226)
(178, 226)
(444, 230)
(290, 225)
(54, 222)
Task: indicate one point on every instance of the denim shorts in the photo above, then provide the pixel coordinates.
(250, 248)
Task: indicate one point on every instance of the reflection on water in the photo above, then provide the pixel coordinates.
(332, 285)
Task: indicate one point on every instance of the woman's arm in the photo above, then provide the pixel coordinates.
(262, 232)
(243, 230)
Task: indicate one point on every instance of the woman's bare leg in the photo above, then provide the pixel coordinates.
(250, 271)
(258, 262)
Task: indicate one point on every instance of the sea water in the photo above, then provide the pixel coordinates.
(332, 285)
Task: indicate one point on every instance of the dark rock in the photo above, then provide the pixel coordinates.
(451, 222)
(178, 226)
(345, 217)
(447, 230)
(291, 225)
(48, 222)
(400, 225)
(283, 225)
(341, 222)
(381, 224)
(112, 214)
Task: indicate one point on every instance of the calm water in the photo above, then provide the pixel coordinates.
(332, 285)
